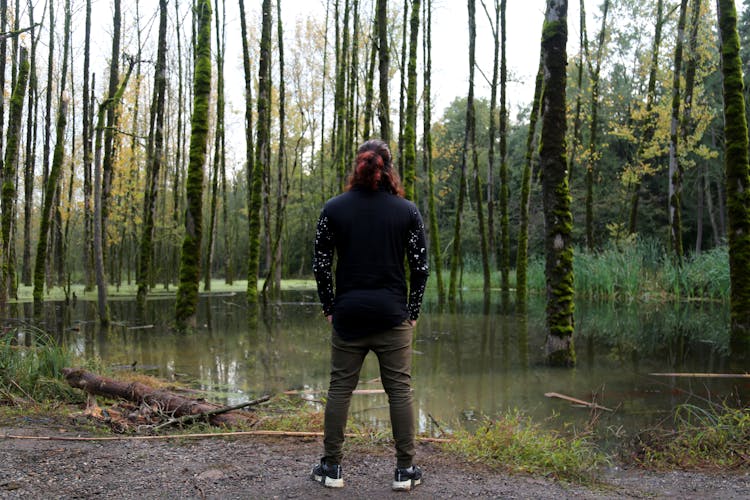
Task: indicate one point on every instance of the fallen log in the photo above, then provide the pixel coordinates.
(167, 402)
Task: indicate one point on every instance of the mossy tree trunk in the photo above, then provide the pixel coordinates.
(483, 244)
(54, 174)
(28, 177)
(154, 157)
(737, 176)
(675, 166)
(504, 261)
(339, 99)
(352, 118)
(222, 49)
(88, 247)
(555, 193)
(402, 89)
(593, 156)
(381, 11)
(249, 151)
(10, 164)
(219, 154)
(272, 283)
(262, 154)
(113, 118)
(470, 120)
(179, 147)
(687, 124)
(410, 130)
(435, 249)
(522, 259)
(367, 114)
(190, 256)
(492, 128)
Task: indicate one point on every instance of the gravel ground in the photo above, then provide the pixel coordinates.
(272, 467)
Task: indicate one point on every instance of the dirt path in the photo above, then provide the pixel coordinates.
(262, 467)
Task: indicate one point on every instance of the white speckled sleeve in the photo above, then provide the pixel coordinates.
(416, 253)
(323, 263)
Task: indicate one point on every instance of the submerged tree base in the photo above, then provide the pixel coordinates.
(560, 351)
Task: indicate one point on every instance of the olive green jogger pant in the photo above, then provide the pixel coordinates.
(394, 352)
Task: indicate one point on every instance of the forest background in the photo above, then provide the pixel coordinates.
(87, 120)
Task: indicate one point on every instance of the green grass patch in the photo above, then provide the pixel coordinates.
(516, 444)
(33, 372)
(714, 438)
(289, 414)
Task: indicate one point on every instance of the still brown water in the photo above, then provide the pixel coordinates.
(467, 365)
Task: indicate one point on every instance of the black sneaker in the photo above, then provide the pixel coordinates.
(328, 475)
(406, 479)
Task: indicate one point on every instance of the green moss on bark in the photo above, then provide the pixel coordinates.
(187, 292)
(555, 192)
(737, 175)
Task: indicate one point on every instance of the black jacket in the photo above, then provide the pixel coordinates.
(371, 233)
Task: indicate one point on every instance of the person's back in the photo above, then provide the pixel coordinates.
(371, 230)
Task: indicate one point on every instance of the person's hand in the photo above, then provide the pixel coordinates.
(413, 322)
(329, 318)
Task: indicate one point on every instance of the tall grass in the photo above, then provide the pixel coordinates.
(33, 372)
(515, 443)
(700, 276)
(717, 437)
(642, 270)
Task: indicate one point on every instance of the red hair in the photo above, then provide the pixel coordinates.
(373, 169)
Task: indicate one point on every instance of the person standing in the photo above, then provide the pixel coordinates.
(371, 229)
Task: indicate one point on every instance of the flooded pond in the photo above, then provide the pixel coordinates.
(466, 365)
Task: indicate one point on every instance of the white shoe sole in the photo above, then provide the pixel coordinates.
(405, 485)
(329, 482)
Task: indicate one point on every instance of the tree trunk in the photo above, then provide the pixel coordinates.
(190, 257)
(218, 152)
(557, 214)
(583, 56)
(28, 177)
(383, 68)
(402, 90)
(154, 156)
(435, 248)
(250, 155)
(470, 120)
(262, 154)
(675, 167)
(180, 146)
(370, 83)
(593, 156)
(54, 173)
(101, 279)
(272, 282)
(342, 63)
(504, 217)
(15, 120)
(492, 130)
(168, 402)
(112, 124)
(88, 250)
(648, 125)
(737, 177)
(410, 132)
(522, 259)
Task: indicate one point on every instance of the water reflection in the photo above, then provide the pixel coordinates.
(467, 364)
